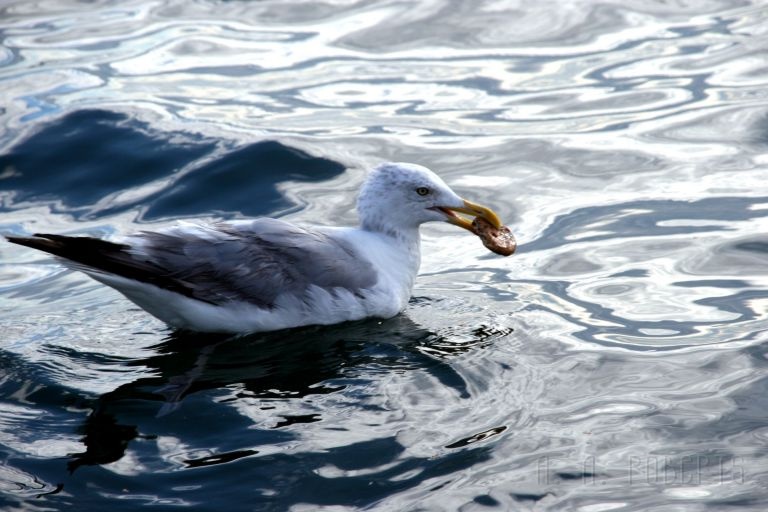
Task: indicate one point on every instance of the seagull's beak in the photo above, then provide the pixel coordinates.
(473, 210)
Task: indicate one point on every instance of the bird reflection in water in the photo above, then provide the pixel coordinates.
(284, 365)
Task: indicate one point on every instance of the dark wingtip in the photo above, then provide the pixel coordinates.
(17, 239)
(108, 257)
(37, 241)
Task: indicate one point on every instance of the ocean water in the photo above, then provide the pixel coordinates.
(618, 362)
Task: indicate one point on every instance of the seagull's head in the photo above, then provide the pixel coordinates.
(402, 196)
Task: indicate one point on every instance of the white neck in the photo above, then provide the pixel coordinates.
(397, 244)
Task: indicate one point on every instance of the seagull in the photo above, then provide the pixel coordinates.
(267, 274)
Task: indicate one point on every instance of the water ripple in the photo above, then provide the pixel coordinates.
(616, 362)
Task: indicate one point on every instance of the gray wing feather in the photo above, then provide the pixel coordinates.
(256, 261)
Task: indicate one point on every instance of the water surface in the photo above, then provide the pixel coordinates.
(617, 362)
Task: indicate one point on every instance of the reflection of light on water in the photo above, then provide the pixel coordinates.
(759, 307)
(148, 52)
(624, 144)
(471, 181)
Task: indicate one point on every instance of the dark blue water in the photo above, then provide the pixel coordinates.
(95, 154)
(617, 362)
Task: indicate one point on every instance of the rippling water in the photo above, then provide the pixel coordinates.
(618, 362)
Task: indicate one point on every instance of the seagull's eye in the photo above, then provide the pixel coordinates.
(422, 191)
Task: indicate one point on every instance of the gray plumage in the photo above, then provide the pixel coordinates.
(251, 262)
(255, 261)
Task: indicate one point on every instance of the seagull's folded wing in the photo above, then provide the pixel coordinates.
(253, 262)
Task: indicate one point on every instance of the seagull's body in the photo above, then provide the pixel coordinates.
(268, 274)
(280, 275)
